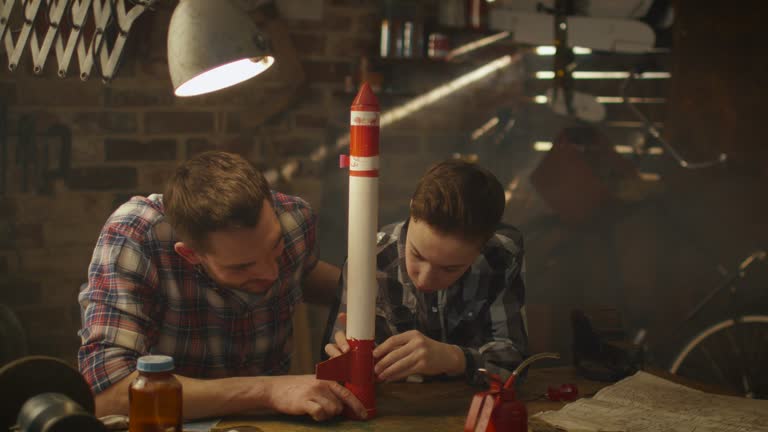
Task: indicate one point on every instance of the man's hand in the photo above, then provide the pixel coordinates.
(341, 346)
(305, 394)
(412, 353)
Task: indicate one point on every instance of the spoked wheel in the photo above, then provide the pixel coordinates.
(729, 354)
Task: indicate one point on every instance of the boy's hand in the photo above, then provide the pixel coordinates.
(340, 338)
(412, 353)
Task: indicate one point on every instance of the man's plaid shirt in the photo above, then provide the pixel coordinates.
(143, 298)
(483, 312)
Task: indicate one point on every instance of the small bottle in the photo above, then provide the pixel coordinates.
(476, 13)
(154, 397)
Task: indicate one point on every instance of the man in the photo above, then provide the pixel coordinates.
(451, 291)
(208, 273)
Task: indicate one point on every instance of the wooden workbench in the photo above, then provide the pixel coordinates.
(434, 406)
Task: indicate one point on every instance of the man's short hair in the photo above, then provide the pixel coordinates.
(459, 198)
(214, 191)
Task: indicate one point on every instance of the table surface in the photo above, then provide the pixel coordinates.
(433, 406)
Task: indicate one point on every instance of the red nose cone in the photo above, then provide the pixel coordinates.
(365, 99)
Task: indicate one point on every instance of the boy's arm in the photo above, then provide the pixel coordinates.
(499, 349)
(507, 344)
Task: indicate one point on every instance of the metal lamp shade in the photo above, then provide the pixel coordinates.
(213, 45)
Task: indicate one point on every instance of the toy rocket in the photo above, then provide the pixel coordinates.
(355, 367)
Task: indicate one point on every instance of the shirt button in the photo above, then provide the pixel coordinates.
(469, 314)
(381, 238)
(434, 309)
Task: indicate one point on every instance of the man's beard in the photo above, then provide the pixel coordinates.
(264, 285)
(216, 280)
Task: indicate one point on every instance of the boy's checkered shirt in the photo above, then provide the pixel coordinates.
(483, 312)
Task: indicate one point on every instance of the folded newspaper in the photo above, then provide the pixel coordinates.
(647, 403)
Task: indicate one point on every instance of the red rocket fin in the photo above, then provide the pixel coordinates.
(335, 369)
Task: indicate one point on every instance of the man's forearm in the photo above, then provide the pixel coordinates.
(202, 398)
(226, 396)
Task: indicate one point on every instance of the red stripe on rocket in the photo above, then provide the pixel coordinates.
(364, 134)
(355, 367)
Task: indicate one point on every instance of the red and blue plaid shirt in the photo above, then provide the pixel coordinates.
(143, 298)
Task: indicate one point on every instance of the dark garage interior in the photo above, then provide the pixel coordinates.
(641, 204)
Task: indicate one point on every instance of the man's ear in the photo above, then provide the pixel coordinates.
(187, 253)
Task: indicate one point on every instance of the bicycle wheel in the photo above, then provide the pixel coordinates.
(730, 355)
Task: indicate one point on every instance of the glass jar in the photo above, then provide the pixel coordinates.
(155, 397)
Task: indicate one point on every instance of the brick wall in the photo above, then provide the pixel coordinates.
(128, 135)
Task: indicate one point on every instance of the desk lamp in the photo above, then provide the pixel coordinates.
(213, 45)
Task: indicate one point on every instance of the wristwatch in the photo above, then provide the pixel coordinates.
(469, 364)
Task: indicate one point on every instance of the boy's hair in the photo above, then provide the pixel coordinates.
(459, 198)
(214, 191)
